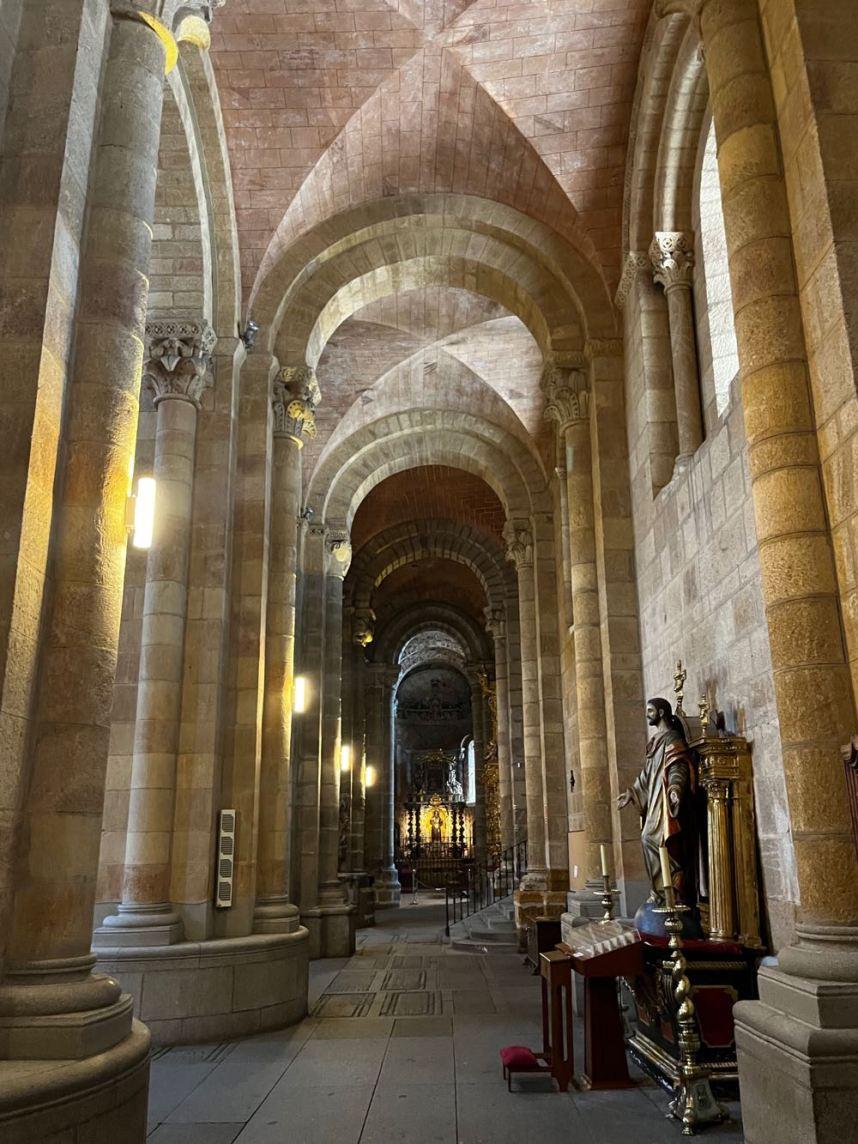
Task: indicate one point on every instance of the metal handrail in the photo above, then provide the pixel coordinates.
(485, 883)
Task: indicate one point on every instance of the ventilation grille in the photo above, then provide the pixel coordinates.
(225, 859)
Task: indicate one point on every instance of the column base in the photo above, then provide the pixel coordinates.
(136, 926)
(102, 1097)
(586, 902)
(532, 904)
(275, 915)
(387, 889)
(798, 1059)
(331, 929)
(212, 990)
(360, 894)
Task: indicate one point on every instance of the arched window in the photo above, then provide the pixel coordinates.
(716, 332)
(471, 792)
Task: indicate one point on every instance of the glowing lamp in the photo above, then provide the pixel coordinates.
(299, 701)
(345, 757)
(370, 777)
(143, 523)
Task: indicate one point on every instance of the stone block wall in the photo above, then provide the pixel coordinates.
(700, 600)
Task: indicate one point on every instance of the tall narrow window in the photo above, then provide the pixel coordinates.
(719, 296)
(472, 774)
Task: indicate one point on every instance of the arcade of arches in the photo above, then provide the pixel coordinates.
(488, 359)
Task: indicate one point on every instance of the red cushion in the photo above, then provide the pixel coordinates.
(518, 1058)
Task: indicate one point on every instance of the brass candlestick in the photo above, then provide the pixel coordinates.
(607, 898)
(694, 1103)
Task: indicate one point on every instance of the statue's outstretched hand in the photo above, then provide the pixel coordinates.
(624, 799)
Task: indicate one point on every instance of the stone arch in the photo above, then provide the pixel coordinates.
(684, 120)
(409, 543)
(354, 466)
(392, 634)
(581, 283)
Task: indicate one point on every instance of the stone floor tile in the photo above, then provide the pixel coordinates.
(170, 1084)
(309, 1116)
(411, 1114)
(423, 1027)
(417, 1060)
(338, 1029)
(231, 1092)
(488, 1114)
(472, 1001)
(195, 1134)
(336, 1064)
(279, 1044)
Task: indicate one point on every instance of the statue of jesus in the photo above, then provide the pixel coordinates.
(663, 794)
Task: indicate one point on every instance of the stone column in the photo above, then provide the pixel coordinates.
(478, 725)
(309, 730)
(51, 1005)
(294, 399)
(519, 540)
(176, 371)
(337, 923)
(496, 626)
(380, 755)
(672, 254)
(516, 720)
(568, 405)
(362, 633)
(798, 1045)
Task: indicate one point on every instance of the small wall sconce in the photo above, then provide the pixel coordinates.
(299, 695)
(371, 777)
(141, 513)
(345, 757)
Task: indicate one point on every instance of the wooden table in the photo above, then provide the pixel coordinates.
(556, 978)
(604, 1043)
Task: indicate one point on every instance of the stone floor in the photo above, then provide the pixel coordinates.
(401, 1045)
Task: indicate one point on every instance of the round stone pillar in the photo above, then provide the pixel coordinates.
(380, 749)
(176, 371)
(568, 404)
(294, 399)
(496, 626)
(519, 540)
(50, 1004)
(672, 254)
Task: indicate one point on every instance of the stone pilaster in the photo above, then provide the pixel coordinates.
(672, 254)
(496, 627)
(176, 371)
(568, 397)
(380, 743)
(337, 923)
(519, 542)
(295, 395)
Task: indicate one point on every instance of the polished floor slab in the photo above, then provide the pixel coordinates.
(401, 1045)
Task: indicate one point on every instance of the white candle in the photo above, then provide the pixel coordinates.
(666, 876)
(604, 854)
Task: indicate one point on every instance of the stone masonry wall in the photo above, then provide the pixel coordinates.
(700, 599)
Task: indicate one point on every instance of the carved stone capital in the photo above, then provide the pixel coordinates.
(635, 263)
(519, 543)
(672, 254)
(363, 626)
(295, 395)
(339, 552)
(495, 623)
(178, 358)
(567, 396)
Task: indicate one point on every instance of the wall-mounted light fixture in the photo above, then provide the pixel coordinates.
(345, 757)
(141, 513)
(370, 777)
(299, 696)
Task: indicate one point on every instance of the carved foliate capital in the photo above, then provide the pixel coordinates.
(672, 255)
(178, 358)
(294, 398)
(567, 397)
(339, 551)
(635, 263)
(495, 622)
(519, 543)
(363, 626)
